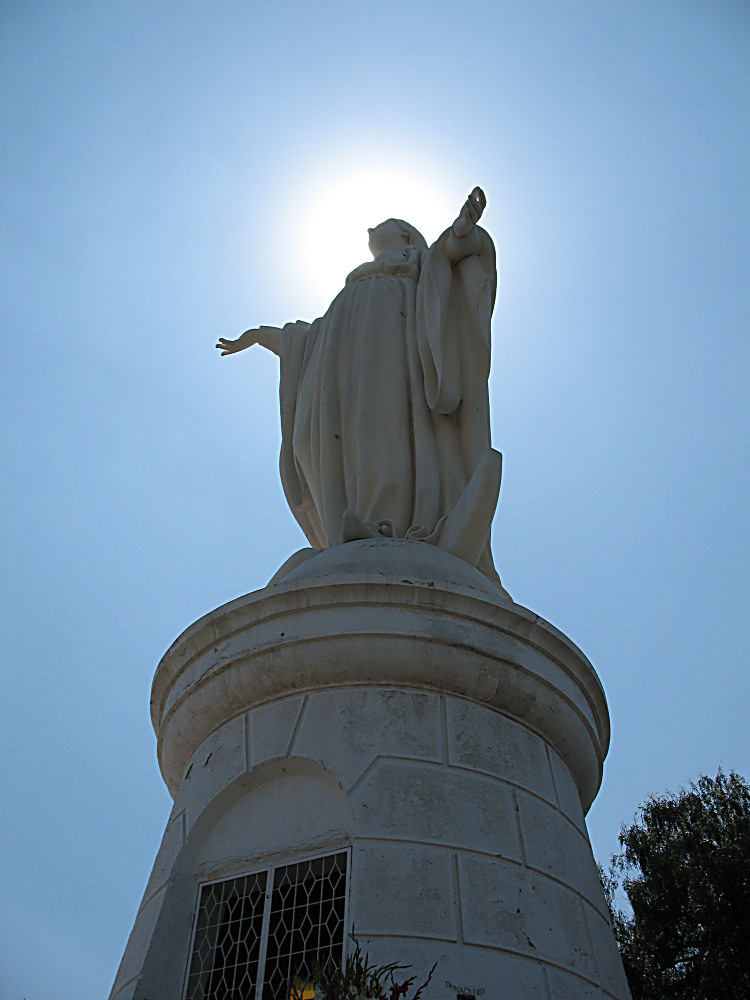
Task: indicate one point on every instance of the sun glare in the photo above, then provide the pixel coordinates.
(334, 227)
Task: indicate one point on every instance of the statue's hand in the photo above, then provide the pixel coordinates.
(471, 213)
(247, 339)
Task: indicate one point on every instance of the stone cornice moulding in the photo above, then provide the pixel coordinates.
(304, 636)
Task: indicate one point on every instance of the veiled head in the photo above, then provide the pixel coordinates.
(394, 234)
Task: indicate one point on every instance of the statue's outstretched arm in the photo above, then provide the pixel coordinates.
(463, 238)
(267, 336)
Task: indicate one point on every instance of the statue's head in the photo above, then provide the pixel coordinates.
(394, 234)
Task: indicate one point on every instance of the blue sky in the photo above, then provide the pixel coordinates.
(159, 167)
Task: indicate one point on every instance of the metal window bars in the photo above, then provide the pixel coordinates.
(260, 936)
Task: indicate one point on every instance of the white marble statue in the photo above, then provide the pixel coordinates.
(384, 403)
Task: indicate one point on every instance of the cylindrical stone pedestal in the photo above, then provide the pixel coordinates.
(385, 704)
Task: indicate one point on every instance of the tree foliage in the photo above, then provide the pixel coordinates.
(685, 869)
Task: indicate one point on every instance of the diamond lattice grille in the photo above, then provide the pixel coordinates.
(271, 928)
(227, 940)
(306, 923)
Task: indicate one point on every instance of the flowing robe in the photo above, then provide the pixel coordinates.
(384, 403)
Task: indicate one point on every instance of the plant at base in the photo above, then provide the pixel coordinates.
(356, 978)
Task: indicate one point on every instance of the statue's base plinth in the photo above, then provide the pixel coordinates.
(385, 700)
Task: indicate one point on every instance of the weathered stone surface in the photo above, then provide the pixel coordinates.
(347, 728)
(410, 801)
(488, 741)
(138, 942)
(557, 848)
(127, 992)
(563, 986)
(171, 844)
(216, 762)
(506, 906)
(607, 955)
(567, 792)
(288, 806)
(271, 728)
(402, 890)
(397, 630)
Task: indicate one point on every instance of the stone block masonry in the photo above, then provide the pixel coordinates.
(447, 738)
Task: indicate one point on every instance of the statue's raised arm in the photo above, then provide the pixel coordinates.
(471, 213)
(267, 336)
(384, 404)
(463, 238)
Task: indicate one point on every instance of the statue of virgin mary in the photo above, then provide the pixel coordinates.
(384, 400)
